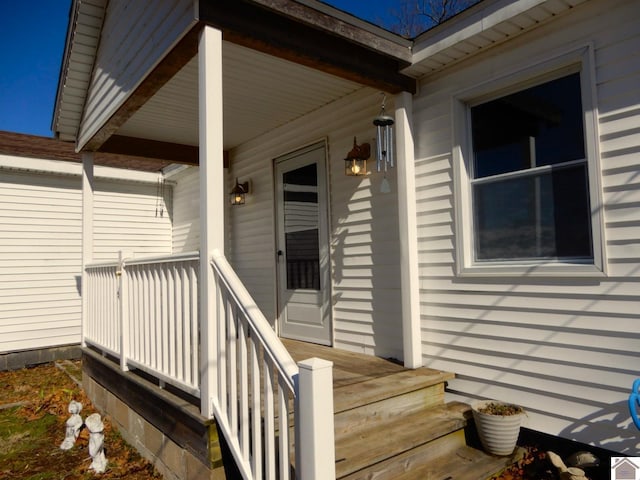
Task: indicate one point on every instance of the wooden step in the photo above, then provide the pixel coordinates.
(392, 423)
(452, 463)
(410, 460)
(400, 434)
(361, 405)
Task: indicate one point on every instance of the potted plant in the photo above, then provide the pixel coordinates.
(498, 425)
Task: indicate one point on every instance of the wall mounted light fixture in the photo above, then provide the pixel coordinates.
(355, 164)
(238, 193)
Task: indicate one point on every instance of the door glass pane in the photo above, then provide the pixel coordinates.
(301, 228)
(543, 216)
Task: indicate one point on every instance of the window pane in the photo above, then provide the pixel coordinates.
(538, 126)
(301, 228)
(544, 216)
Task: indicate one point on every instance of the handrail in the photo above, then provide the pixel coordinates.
(274, 347)
(179, 257)
(257, 382)
(90, 266)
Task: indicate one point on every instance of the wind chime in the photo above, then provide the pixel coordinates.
(384, 144)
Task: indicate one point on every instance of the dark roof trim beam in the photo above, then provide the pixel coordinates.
(176, 153)
(309, 43)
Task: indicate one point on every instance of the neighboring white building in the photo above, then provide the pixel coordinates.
(41, 239)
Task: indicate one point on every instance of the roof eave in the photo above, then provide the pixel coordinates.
(482, 26)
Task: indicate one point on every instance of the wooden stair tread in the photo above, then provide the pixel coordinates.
(397, 434)
(465, 463)
(382, 387)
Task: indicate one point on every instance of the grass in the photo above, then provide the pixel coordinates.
(33, 414)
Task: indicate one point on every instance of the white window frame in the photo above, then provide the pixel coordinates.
(577, 60)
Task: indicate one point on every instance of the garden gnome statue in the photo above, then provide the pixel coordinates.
(73, 425)
(96, 442)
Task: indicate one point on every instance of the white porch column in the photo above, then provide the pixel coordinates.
(315, 450)
(211, 203)
(87, 235)
(410, 275)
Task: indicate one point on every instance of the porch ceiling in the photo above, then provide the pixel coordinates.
(260, 92)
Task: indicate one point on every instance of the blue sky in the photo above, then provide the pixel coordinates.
(32, 35)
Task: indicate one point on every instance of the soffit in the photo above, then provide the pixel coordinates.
(83, 36)
(260, 92)
(482, 26)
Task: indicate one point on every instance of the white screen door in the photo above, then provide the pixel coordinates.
(302, 246)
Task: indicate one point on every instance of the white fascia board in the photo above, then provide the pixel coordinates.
(59, 167)
(484, 17)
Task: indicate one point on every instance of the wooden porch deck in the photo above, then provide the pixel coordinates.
(352, 369)
(393, 423)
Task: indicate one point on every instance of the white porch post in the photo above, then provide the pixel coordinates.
(87, 236)
(315, 450)
(211, 206)
(410, 275)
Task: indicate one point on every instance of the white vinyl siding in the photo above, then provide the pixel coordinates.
(363, 226)
(186, 211)
(133, 217)
(565, 348)
(136, 35)
(40, 246)
(40, 232)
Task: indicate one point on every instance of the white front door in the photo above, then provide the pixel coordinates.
(302, 246)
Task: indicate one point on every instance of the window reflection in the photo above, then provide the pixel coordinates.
(301, 228)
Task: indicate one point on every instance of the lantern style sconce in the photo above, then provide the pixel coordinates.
(239, 192)
(384, 138)
(356, 162)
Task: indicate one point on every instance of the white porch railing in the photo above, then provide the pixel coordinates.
(145, 312)
(103, 329)
(277, 416)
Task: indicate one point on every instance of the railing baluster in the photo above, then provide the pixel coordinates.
(283, 427)
(243, 385)
(269, 423)
(195, 315)
(222, 350)
(256, 414)
(179, 321)
(165, 352)
(146, 300)
(232, 364)
(157, 320)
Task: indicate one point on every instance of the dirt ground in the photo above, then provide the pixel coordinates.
(33, 411)
(534, 465)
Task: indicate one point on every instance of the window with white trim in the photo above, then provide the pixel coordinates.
(526, 192)
(530, 191)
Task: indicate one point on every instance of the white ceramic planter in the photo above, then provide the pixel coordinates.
(498, 433)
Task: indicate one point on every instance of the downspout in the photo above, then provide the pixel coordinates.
(409, 271)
